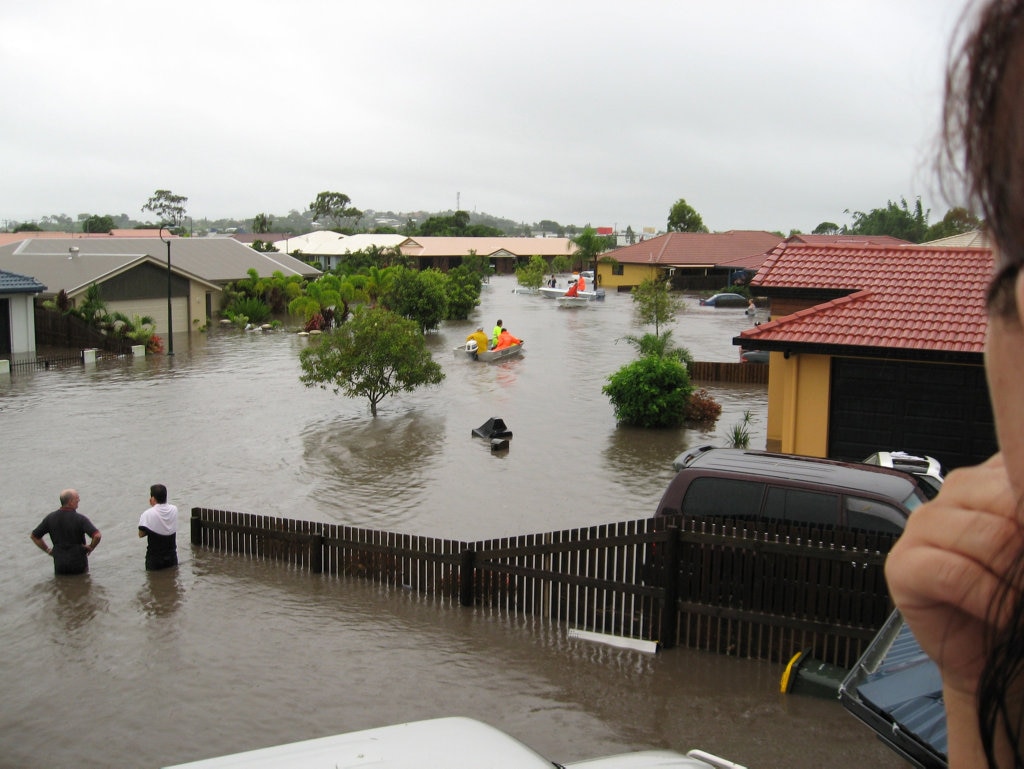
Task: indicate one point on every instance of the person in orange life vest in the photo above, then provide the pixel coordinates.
(581, 284)
(505, 339)
(573, 289)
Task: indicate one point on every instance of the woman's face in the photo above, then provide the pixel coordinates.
(1004, 367)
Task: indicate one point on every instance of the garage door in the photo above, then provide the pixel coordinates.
(157, 310)
(938, 409)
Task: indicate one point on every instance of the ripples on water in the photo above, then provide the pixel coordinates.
(230, 654)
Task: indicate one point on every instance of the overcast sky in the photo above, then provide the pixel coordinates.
(762, 114)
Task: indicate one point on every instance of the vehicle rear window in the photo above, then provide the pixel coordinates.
(723, 497)
(872, 515)
(800, 506)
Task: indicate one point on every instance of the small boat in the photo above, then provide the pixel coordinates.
(470, 350)
(573, 301)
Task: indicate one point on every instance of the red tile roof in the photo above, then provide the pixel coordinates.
(701, 249)
(846, 240)
(903, 297)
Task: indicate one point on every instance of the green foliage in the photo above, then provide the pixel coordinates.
(374, 355)
(138, 329)
(682, 217)
(380, 257)
(899, 221)
(27, 227)
(463, 292)
(96, 223)
(93, 310)
(261, 224)
(421, 296)
(478, 264)
(956, 222)
(455, 225)
(251, 308)
(169, 208)
(702, 409)
(650, 392)
(827, 228)
(739, 437)
(660, 345)
(531, 274)
(589, 246)
(561, 263)
(335, 206)
(654, 303)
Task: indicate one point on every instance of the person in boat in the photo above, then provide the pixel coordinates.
(574, 289)
(581, 284)
(957, 572)
(496, 333)
(505, 339)
(480, 338)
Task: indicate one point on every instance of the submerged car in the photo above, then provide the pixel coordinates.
(439, 743)
(725, 300)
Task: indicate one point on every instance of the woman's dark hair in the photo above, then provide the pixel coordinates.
(983, 133)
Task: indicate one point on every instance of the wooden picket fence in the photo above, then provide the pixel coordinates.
(716, 585)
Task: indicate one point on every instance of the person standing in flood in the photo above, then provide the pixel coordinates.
(68, 529)
(159, 524)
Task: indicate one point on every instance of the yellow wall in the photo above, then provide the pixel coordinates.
(632, 275)
(798, 397)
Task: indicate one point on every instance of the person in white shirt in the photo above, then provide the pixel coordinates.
(159, 524)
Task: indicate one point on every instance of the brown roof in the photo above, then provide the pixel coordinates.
(441, 246)
(904, 297)
(848, 240)
(735, 248)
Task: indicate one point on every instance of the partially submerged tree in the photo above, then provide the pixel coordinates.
(650, 392)
(654, 304)
(376, 354)
(531, 274)
(420, 295)
(463, 290)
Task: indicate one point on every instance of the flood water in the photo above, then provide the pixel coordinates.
(125, 669)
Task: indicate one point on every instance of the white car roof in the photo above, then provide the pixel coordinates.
(442, 743)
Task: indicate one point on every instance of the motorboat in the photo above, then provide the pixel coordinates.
(471, 350)
(558, 292)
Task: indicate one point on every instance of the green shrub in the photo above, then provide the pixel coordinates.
(650, 392)
(255, 310)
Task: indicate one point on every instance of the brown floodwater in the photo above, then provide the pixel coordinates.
(124, 669)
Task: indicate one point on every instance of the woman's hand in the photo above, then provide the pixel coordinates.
(949, 565)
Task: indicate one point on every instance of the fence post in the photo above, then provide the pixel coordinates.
(316, 553)
(466, 570)
(670, 584)
(197, 527)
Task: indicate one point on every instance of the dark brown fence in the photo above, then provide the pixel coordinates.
(741, 373)
(712, 585)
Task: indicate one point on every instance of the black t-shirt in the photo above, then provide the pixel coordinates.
(68, 530)
(161, 550)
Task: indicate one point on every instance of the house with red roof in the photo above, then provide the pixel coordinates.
(875, 348)
(693, 260)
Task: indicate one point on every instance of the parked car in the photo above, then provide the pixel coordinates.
(754, 356)
(765, 486)
(927, 469)
(725, 300)
(439, 743)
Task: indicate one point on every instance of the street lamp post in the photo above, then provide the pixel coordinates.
(170, 323)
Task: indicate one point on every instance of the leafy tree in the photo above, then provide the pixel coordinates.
(956, 222)
(261, 224)
(654, 304)
(93, 310)
(263, 246)
(561, 263)
(170, 208)
(335, 206)
(456, 225)
(418, 295)
(630, 235)
(589, 246)
(326, 301)
(96, 223)
(376, 354)
(531, 274)
(827, 228)
(28, 227)
(547, 225)
(682, 217)
(373, 256)
(477, 264)
(463, 292)
(899, 221)
(374, 282)
(650, 392)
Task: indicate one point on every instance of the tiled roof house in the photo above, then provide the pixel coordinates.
(694, 260)
(876, 348)
(17, 313)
